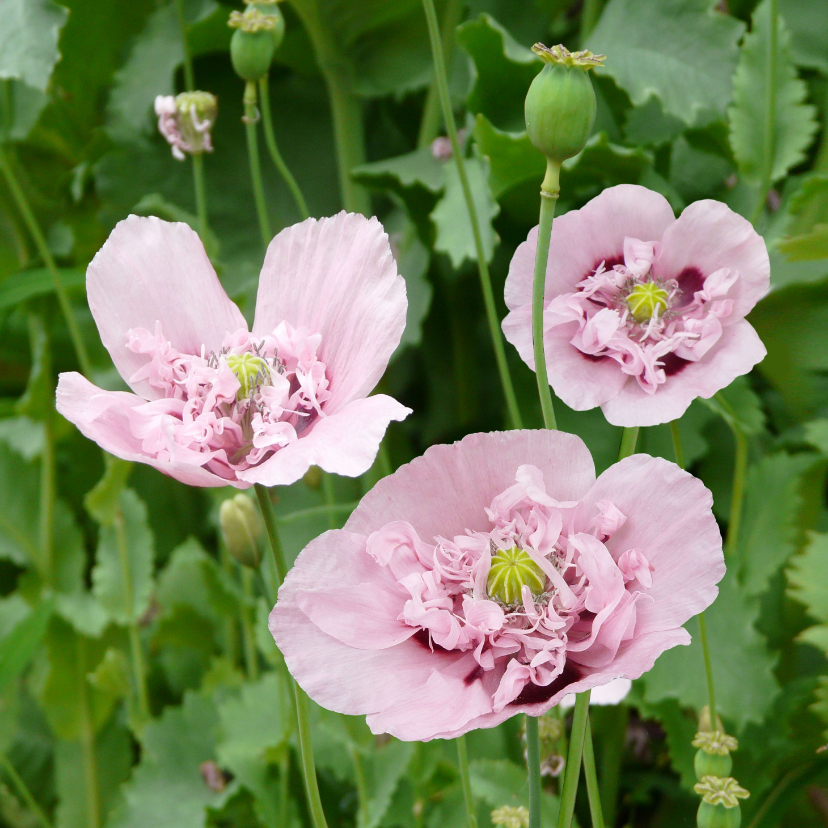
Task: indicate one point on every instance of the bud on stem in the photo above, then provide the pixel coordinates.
(242, 530)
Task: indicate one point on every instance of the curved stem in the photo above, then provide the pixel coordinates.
(430, 123)
(189, 75)
(302, 712)
(629, 437)
(23, 790)
(30, 221)
(482, 267)
(273, 149)
(465, 779)
(573, 760)
(533, 767)
(708, 671)
(739, 471)
(591, 777)
(200, 196)
(251, 115)
(549, 197)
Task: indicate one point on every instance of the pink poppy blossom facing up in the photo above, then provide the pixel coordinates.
(643, 312)
(216, 403)
(496, 576)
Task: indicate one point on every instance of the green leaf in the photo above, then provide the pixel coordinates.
(737, 651)
(502, 71)
(816, 433)
(740, 407)
(84, 612)
(37, 401)
(19, 494)
(167, 789)
(122, 576)
(24, 435)
(29, 32)
(386, 767)
(512, 157)
(758, 152)
(19, 287)
(808, 22)
(103, 502)
(451, 218)
(24, 106)
(658, 440)
(684, 55)
(19, 645)
(500, 782)
(808, 247)
(771, 518)
(808, 577)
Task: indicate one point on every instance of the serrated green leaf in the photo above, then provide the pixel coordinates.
(167, 789)
(759, 152)
(24, 435)
(103, 501)
(84, 612)
(740, 407)
(29, 32)
(499, 782)
(502, 71)
(37, 401)
(820, 706)
(600, 164)
(737, 651)
(685, 54)
(122, 576)
(511, 155)
(451, 218)
(24, 106)
(816, 433)
(19, 645)
(112, 674)
(771, 517)
(385, 768)
(185, 643)
(19, 287)
(19, 486)
(808, 577)
(808, 22)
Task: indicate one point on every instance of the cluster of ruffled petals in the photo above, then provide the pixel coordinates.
(204, 408)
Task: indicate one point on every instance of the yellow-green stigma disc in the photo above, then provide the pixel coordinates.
(645, 300)
(511, 569)
(250, 370)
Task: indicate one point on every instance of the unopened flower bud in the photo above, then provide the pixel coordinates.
(705, 725)
(509, 816)
(560, 104)
(186, 121)
(511, 569)
(252, 45)
(242, 529)
(270, 8)
(713, 757)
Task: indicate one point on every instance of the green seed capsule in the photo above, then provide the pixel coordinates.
(252, 45)
(511, 570)
(273, 11)
(717, 816)
(712, 764)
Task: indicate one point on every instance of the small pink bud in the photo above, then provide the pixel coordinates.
(186, 121)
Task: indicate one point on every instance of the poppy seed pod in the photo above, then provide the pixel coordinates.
(252, 45)
(560, 104)
(713, 756)
(271, 10)
(242, 530)
(717, 816)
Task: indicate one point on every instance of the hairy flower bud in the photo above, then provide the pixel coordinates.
(242, 530)
(186, 121)
(252, 45)
(560, 104)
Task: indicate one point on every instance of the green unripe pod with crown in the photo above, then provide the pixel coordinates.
(252, 45)
(719, 807)
(560, 104)
(712, 764)
(717, 816)
(270, 8)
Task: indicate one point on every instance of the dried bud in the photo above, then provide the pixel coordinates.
(510, 817)
(186, 120)
(242, 529)
(252, 45)
(560, 104)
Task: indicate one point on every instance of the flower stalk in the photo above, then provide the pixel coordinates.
(23, 791)
(533, 766)
(465, 779)
(251, 116)
(573, 760)
(591, 777)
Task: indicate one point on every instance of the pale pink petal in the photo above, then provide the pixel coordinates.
(444, 492)
(103, 416)
(337, 277)
(709, 236)
(149, 271)
(582, 239)
(343, 443)
(669, 519)
(735, 354)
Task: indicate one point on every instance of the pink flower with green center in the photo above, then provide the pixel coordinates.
(216, 403)
(643, 312)
(496, 576)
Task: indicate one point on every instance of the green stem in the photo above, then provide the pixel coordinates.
(533, 768)
(138, 669)
(465, 779)
(361, 785)
(330, 498)
(189, 75)
(591, 777)
(483, 268)
(573, 760)
(230, 636)
(23, 790)
(612, 755)
(41, 353)
(708, 671)
(273, 149)
(251, 655)
(90, 769)
(739, 471)
(251, 115)
(629, 437)
(302, 712)
(430, 123)
(770, 113)
(349, 132)
(200, 197)
(677, 449)
(43, 248)
(550, 190)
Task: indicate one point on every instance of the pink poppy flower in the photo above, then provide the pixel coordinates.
(644, 312)
(216, 403)
(484, 579)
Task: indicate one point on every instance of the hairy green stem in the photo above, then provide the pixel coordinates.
(708, 671)
(251, 115)
(734, 522)
(273, 149)
(591, 777)
(770, 114)
(482, 267)
(550, 189)
(200, 195)
(629, 438)
(614, 737)
(251, 655)
(90, 765)
(533, 767)
(189, 75)
(465, 779)
(302, 712)
(23, 791)
(430, 123)
(30, 221)
(574, 759)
